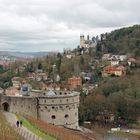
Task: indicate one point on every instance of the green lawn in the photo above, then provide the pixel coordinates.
(34, 129)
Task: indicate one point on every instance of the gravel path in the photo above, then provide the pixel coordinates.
(23, 131)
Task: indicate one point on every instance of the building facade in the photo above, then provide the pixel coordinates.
(75, 81)
(112, 70)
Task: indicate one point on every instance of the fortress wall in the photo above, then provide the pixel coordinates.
(59, 109)
(24, 106)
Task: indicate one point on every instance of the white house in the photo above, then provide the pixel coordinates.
(115, 62)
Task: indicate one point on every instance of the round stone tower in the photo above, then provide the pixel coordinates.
(59, 108)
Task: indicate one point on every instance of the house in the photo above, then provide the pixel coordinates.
(112, 70)
(12, 91)
(120, 70)
(53, 86)
(38, 76)
(106, 57)
(123, 57)
(105, 116)
(86, 76)
(31, 76)
(4, 63)
(74, 81)
(16, 81)
(115, 57)
(119, 57)
(115, 62)
(131, 62)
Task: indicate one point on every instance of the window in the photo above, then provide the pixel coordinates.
(67, 106)
(66, 116)
(73, 106)
(52, 107)
(60, 93)
(65, 93)
(60, 107)
(44, 101)
(53, 117)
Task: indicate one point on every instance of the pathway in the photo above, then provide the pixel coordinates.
(23, 131)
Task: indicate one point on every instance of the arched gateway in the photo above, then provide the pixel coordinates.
(5, 106)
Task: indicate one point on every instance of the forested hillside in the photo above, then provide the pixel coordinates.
(125, 40)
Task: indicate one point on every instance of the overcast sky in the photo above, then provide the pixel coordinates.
(51, 25)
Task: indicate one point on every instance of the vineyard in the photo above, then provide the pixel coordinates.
(57, 132)
(6, 131)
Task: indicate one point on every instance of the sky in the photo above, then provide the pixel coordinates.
(52, 25)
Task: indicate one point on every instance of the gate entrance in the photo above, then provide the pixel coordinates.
(5, 106)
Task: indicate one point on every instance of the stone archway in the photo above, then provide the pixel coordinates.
(5, 106)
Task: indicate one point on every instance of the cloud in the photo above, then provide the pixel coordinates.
(35, 25)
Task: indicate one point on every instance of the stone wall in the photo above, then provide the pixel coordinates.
(24, 106)
(60, 109)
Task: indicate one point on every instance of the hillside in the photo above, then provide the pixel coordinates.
(125, 40)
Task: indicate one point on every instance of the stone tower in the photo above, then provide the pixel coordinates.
(82, 41)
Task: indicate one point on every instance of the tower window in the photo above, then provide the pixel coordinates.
(53, 117)
(66, 116)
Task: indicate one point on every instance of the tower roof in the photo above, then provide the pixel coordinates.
(50, 93)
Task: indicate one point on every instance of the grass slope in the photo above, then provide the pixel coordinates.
(34, 129)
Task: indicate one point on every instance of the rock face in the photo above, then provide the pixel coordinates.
(55, 107)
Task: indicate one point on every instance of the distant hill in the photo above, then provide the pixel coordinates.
(24, 54)
(125, 40)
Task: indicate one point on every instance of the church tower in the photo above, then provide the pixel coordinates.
(82, 41)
